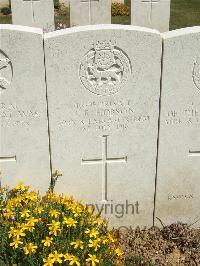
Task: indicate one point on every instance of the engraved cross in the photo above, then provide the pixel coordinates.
(32, 7)
(152, 2)
(90, 8)
(104, 161)
(8, 159)
(194, 153)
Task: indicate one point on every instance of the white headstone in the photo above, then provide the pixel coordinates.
(103, 93)
(33, 13)
(118, 1)
(178, 181)
(24, 149)
(151, 14)
(87, 12)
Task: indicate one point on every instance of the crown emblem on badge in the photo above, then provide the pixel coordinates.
(104, 45)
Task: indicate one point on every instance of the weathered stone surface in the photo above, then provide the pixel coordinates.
(118, 1)
(87, 12)
(151, 13)
(24, 149)
(103, 93)
(33, 13)
(178, 183)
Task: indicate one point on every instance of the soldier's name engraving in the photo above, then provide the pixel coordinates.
(188, 115)
(13, 115)
(103, 115)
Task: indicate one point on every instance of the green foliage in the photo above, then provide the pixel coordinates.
(6, 10)
(62, 17)
(119, 9)
(56, 4)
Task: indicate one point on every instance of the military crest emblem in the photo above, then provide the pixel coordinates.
(6, 72)
(104, 69)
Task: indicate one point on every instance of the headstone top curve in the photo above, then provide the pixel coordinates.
(180, 32)
(21, 28)
(99, 27)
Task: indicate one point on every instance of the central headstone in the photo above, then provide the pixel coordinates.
(151, 13)
(103, 93)
(33, 13)
(87, 12)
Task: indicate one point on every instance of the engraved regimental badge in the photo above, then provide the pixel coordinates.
(104, 69)
(5, 72)
(196, 74)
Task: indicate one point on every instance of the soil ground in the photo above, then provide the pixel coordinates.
(174, 245)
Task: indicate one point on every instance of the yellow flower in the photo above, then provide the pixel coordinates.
(16, 242)
(54, 228)
(11, 232)
(70, 222)
(51, 195)
(32, 196)
(119, 252)
(111, 238)
(29, 227)
(94, 243)
(93, 259)
(25, 213)
(48, 262)
(54, 213)
(92, 233)
(8, 213)
(98, 221)
(29, 248)
(31, 221)
(38, 210)
(77, 210)
(21, 187)
(77, 244)
(19, 233)
(67, 257)
(56, 257)
(47, 242)
(105, 240)
(90, 209)
(74, 261)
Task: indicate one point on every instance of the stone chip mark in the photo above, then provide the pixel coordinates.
(196, 74)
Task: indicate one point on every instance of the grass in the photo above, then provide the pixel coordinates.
(5, 19)
(184, 13)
